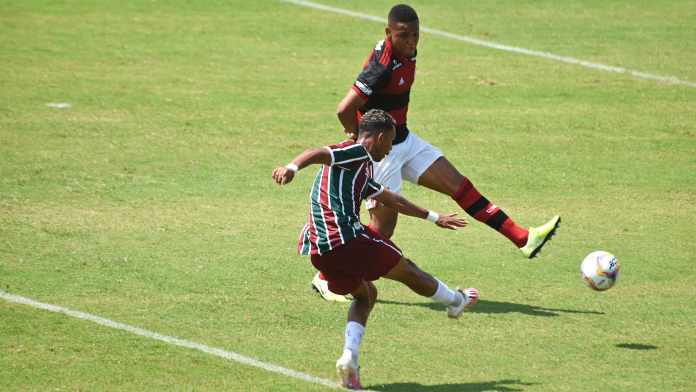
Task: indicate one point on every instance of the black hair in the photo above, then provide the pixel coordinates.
(402, 13)
(375, 121)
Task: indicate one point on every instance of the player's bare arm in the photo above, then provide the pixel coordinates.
(347, 112)
(284, 174)
(406, 207)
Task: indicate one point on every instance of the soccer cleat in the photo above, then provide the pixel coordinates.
(348, 371)
(469, 298)
(322, 287)
(538, 237)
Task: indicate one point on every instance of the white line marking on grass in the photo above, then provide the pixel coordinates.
(59, 105)
(507, 48)
(232, 356)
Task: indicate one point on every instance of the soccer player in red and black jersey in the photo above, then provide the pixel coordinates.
(351, 255)
(385, 83)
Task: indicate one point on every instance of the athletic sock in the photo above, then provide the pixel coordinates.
(469, 198)
(354, 333)
(445, 295)
(321, 276)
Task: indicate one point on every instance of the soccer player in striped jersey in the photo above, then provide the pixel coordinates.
(385, 83)
(351, 255)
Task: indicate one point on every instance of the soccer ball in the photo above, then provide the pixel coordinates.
(600, 270)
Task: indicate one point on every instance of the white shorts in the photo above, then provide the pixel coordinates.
(407, 160)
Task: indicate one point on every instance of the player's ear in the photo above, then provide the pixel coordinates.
(387, 31)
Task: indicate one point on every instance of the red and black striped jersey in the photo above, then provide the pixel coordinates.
(385, 82)
(337, 192)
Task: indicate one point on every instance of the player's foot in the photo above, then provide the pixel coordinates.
(538, 237)
(469, 297)
(348, 370)
(322, 287)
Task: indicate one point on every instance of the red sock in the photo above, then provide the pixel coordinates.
(321, 276)
(484, 211)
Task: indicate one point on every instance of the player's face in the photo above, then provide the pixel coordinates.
(384, 144)
(404, 37)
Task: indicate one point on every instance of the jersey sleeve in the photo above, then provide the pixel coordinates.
(373, 188)
(346, 154)
(373, 77)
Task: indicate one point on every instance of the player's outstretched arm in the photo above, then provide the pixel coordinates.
(347, 112)
(404, 206)
(284, 174)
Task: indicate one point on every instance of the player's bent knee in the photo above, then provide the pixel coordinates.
(361, 292)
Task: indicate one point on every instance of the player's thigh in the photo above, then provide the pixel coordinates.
(388, 171)
(383, 219)
(420, 156)
(441, 176)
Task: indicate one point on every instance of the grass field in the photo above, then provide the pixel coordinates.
(149, 201)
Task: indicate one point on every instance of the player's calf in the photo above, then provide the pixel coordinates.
(422, 283)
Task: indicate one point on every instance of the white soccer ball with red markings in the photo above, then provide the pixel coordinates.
(600, 270)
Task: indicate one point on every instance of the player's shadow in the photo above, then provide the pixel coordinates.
(502, 386)
(636, 346)
(485, 306)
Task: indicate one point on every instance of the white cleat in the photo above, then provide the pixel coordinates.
(469, 297)
(322, 287)
(348, 371)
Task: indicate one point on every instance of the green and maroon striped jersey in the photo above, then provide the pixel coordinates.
(337, 192)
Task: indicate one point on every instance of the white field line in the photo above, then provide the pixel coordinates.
(229, 355)
(507, 48)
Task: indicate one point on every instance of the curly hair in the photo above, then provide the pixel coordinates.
(376, 121)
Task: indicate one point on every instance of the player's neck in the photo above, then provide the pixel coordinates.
(368, 143)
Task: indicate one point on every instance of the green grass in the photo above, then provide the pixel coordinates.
(149, 201)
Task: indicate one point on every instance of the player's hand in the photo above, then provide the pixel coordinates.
(451, 221)
(351, 135)
(282, 175)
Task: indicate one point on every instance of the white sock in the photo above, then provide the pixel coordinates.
(445, 295)
(354, 334)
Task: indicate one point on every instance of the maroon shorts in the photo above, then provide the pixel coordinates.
(367, 257)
